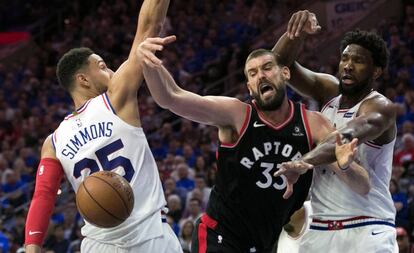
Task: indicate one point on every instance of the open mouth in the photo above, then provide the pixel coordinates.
(265, 88)
(347, 79)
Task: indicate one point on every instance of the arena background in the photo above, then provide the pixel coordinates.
(214, 38)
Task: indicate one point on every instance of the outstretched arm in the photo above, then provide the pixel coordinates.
(212, 110)
(318, 86)
(375, 121)
(127, 79)
(349, 171)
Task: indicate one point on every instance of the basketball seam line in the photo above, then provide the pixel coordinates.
(117, 192)
(86, 189)
(79, 206)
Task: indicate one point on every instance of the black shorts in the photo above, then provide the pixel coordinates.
(209, 237)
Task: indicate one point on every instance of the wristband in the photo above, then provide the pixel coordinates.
(343, 169)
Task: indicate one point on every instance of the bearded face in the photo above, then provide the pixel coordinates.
(356, 71)
(267, 82)
(269, 96)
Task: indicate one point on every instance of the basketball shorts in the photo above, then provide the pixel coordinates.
(355, 235)
(167, 243)
(209, 237)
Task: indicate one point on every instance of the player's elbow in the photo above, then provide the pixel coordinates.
(364, 189)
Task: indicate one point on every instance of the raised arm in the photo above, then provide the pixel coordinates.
(48, 177)
(318, 86)
(223, 112)
(127, 79)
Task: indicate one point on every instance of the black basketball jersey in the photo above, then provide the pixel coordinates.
(247, 200)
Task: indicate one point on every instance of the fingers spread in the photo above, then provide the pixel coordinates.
(302, 21)
(289, 191)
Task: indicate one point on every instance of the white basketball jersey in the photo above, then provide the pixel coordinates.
(289, 244)
(94, 138)
(332, 199)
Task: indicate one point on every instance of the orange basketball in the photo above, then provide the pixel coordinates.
(105, 199)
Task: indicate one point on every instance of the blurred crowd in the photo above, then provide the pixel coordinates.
(214, 37)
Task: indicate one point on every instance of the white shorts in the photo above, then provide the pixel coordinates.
(372, 238)
(167, 243)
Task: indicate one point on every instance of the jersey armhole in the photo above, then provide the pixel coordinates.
(327, 104)
(242, 130)
(53, 138)
(307, 127)
(107, 103)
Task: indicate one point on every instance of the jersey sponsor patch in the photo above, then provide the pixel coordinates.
(348, 114)
(297, 131)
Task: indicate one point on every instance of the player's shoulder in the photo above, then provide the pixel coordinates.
(378, 98)
(48, 149)
(377, 102)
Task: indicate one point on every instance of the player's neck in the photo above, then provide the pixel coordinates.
(279, 115)
(80, 99)
(349, 101)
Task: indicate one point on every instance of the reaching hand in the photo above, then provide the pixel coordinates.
(345, 152)
(302, 21)
(292, 171)
(146, 50)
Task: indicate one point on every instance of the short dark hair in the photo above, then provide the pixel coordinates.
(257, 53)
(370, 41)
(70, 63)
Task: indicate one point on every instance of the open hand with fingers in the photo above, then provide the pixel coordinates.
(292, 171)
(147, 49)
(345, 151)
(302, 21)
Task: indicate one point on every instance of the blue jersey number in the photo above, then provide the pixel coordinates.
(102, 154)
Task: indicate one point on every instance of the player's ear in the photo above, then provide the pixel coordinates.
(82, 80)
(377, 72)
(249, 88)
(285, 72)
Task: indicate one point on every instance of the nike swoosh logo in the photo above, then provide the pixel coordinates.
(255, 124)
(34, 232)
(376, 233)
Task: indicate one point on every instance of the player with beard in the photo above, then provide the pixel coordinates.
(247, 206)
(344, 221)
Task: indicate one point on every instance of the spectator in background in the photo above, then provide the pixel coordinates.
(400, 203)
(170, 188)
(406, 153)
(175, 207)
(57, 241)
(4, 243)
(193, 211)
(15, 187)
(186, 232)
(184, 181)
(403, 241)
(189, 155)
(201, 191)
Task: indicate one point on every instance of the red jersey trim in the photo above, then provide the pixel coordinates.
(372, 145)
(107, 103)
(327, 104)
(280, 126)
(210, 222)
(242, 130)
(307, 126)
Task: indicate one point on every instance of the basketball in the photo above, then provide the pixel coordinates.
(105, 199)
